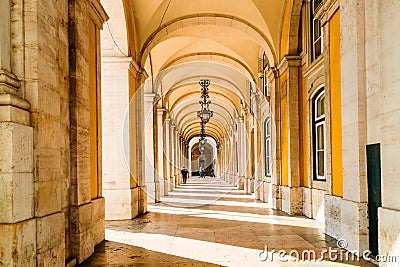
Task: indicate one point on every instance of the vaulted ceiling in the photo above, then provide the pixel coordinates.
(179, 42)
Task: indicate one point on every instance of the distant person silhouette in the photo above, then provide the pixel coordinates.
(201, 173)
(184, 172)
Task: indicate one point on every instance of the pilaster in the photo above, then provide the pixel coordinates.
(291, 193)
(160, 147)
(167, 154)
(151, 176)
(116, 147)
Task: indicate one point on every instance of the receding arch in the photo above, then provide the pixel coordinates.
(163, 32)
(204, 56)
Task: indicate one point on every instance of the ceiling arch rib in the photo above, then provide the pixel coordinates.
(221, 114)
(192, 72)
(195, 122)
(211, 132)
(194, 126)
(221, 85)
(209, 20)
(211, 56)
(178, 101)
(226, 42)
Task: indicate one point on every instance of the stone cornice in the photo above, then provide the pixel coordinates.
(288, 61)
(97, 13)
(121, 59)
(327, 10)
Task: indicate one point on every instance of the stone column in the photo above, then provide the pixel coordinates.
(188, 160)
(151, 176)
(86, 210)
(292, 193)
(354, 220)
(275, 103)
(117, 188)
(242, 153)
(167, 155)
(257, 147)
(138, 144)
(176, 155)
(172, 154)
(160, 154)
(17, 222)
(229, 150)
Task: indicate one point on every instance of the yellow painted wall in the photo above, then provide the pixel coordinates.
(93, 110)
(303, 128)
(284, 129)
(285, 29)
(336, 113)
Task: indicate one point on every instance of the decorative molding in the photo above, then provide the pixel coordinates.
(9, 83)
(97, 13)
(12, 100)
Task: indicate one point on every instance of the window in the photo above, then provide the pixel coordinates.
(265, 68)
(316, 30)
(319, 135)
(267, 147)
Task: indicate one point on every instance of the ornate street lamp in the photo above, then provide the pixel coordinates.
(205, 113)
(202, 140)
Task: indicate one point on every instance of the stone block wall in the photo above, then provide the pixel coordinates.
(46, 213)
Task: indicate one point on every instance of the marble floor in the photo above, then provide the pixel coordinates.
(207, 222)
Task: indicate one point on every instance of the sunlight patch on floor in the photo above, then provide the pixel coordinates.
(238, 216)
(200, 202)
(203, 251)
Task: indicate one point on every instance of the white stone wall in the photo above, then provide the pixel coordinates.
(382, 49)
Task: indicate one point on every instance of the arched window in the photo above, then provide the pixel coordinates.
(319, 135)
(267, 147)
(316, 30)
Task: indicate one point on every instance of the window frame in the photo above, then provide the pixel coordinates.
(313, 20)
(265, 69)
(316, 122)
(267, 149)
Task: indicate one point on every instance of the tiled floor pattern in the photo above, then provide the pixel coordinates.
(206, 222)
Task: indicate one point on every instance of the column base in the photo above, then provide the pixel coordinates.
(142, 200)
(20, 237)
(171, 183)
(276, 197)
(389, 232)
(251, 185)
(292, 200)
(164, 187)
(354, 224)
(257, 189)
(246, 185)
(266, 193)
(153, 192)
(122, 204)
(50, 234)
(333, 219)
(314, 203)
(240, 183)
